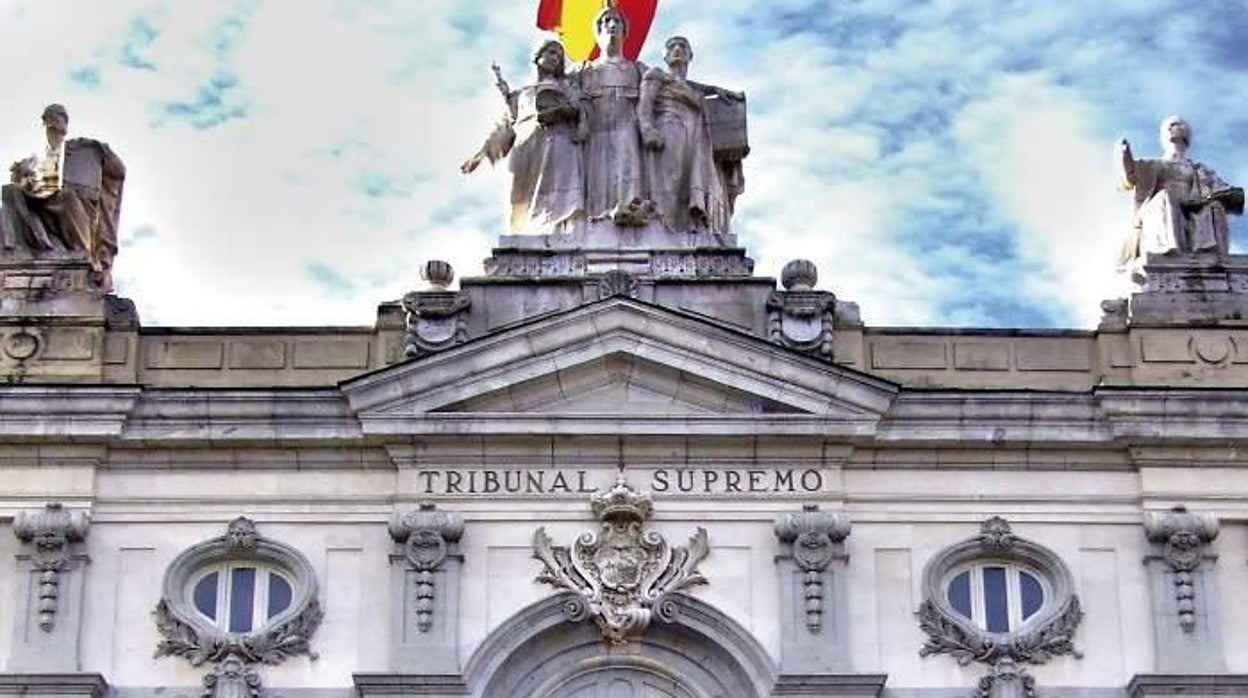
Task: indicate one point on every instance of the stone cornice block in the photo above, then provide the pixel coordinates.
(848, 685)
(198, 415)
(58, 412)
(1187, 685)
(1174, 413)
(67, 684)
(369, 684)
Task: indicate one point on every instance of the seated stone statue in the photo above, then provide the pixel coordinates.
(65, 202)
(1180, 205)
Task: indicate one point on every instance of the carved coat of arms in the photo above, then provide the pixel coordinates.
(621, 572)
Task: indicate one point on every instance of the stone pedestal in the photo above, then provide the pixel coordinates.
(1181, 288)
(52, 321)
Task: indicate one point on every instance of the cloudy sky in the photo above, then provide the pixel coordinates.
(948, 162)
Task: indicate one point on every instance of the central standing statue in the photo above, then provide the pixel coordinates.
(615, 186)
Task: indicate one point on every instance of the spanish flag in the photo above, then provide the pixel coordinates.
(573, 21)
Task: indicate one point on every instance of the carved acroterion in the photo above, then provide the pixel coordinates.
(436, 317)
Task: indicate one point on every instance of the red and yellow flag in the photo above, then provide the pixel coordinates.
(573, 21)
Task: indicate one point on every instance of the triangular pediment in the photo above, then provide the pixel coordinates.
(617, 358)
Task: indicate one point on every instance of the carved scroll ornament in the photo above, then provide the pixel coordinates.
(622, 572)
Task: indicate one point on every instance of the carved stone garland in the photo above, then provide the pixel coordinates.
(424, 534)
(50, 532)
(1183, 537)
(1048, 634)
(621, 573)
(186, 634)
(816, 539)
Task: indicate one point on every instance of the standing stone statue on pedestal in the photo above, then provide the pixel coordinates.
(1180, 205)
(684, 182)
(65, 202)
(615, 186)
(543, 133)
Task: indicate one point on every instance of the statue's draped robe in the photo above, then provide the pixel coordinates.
(547, 187)
(613, 156)
(1160, 224)
(684, 183)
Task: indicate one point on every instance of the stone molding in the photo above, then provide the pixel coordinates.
(622, 574)
(1187, 685)
(1048, 634)
(58, 685)
(186, 634)
(538, 641)
(430, 685)
(829, 685)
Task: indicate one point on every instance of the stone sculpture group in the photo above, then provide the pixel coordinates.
(616, 141)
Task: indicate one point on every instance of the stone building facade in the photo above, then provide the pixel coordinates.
(624, 470)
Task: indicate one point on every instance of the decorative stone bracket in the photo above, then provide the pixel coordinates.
(50, 533)
(1181, 540)
(814, 539)
(425, 535)
(436, 318)
(622, 574)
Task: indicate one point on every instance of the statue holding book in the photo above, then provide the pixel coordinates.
(1180, 205)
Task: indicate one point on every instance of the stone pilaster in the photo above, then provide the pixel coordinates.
(425, 590)
(50, 582)
(814, 608)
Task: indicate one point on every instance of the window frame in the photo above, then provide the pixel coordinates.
(1013, 552)
(224, 554)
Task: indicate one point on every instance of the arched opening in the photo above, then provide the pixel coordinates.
(538, 653)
